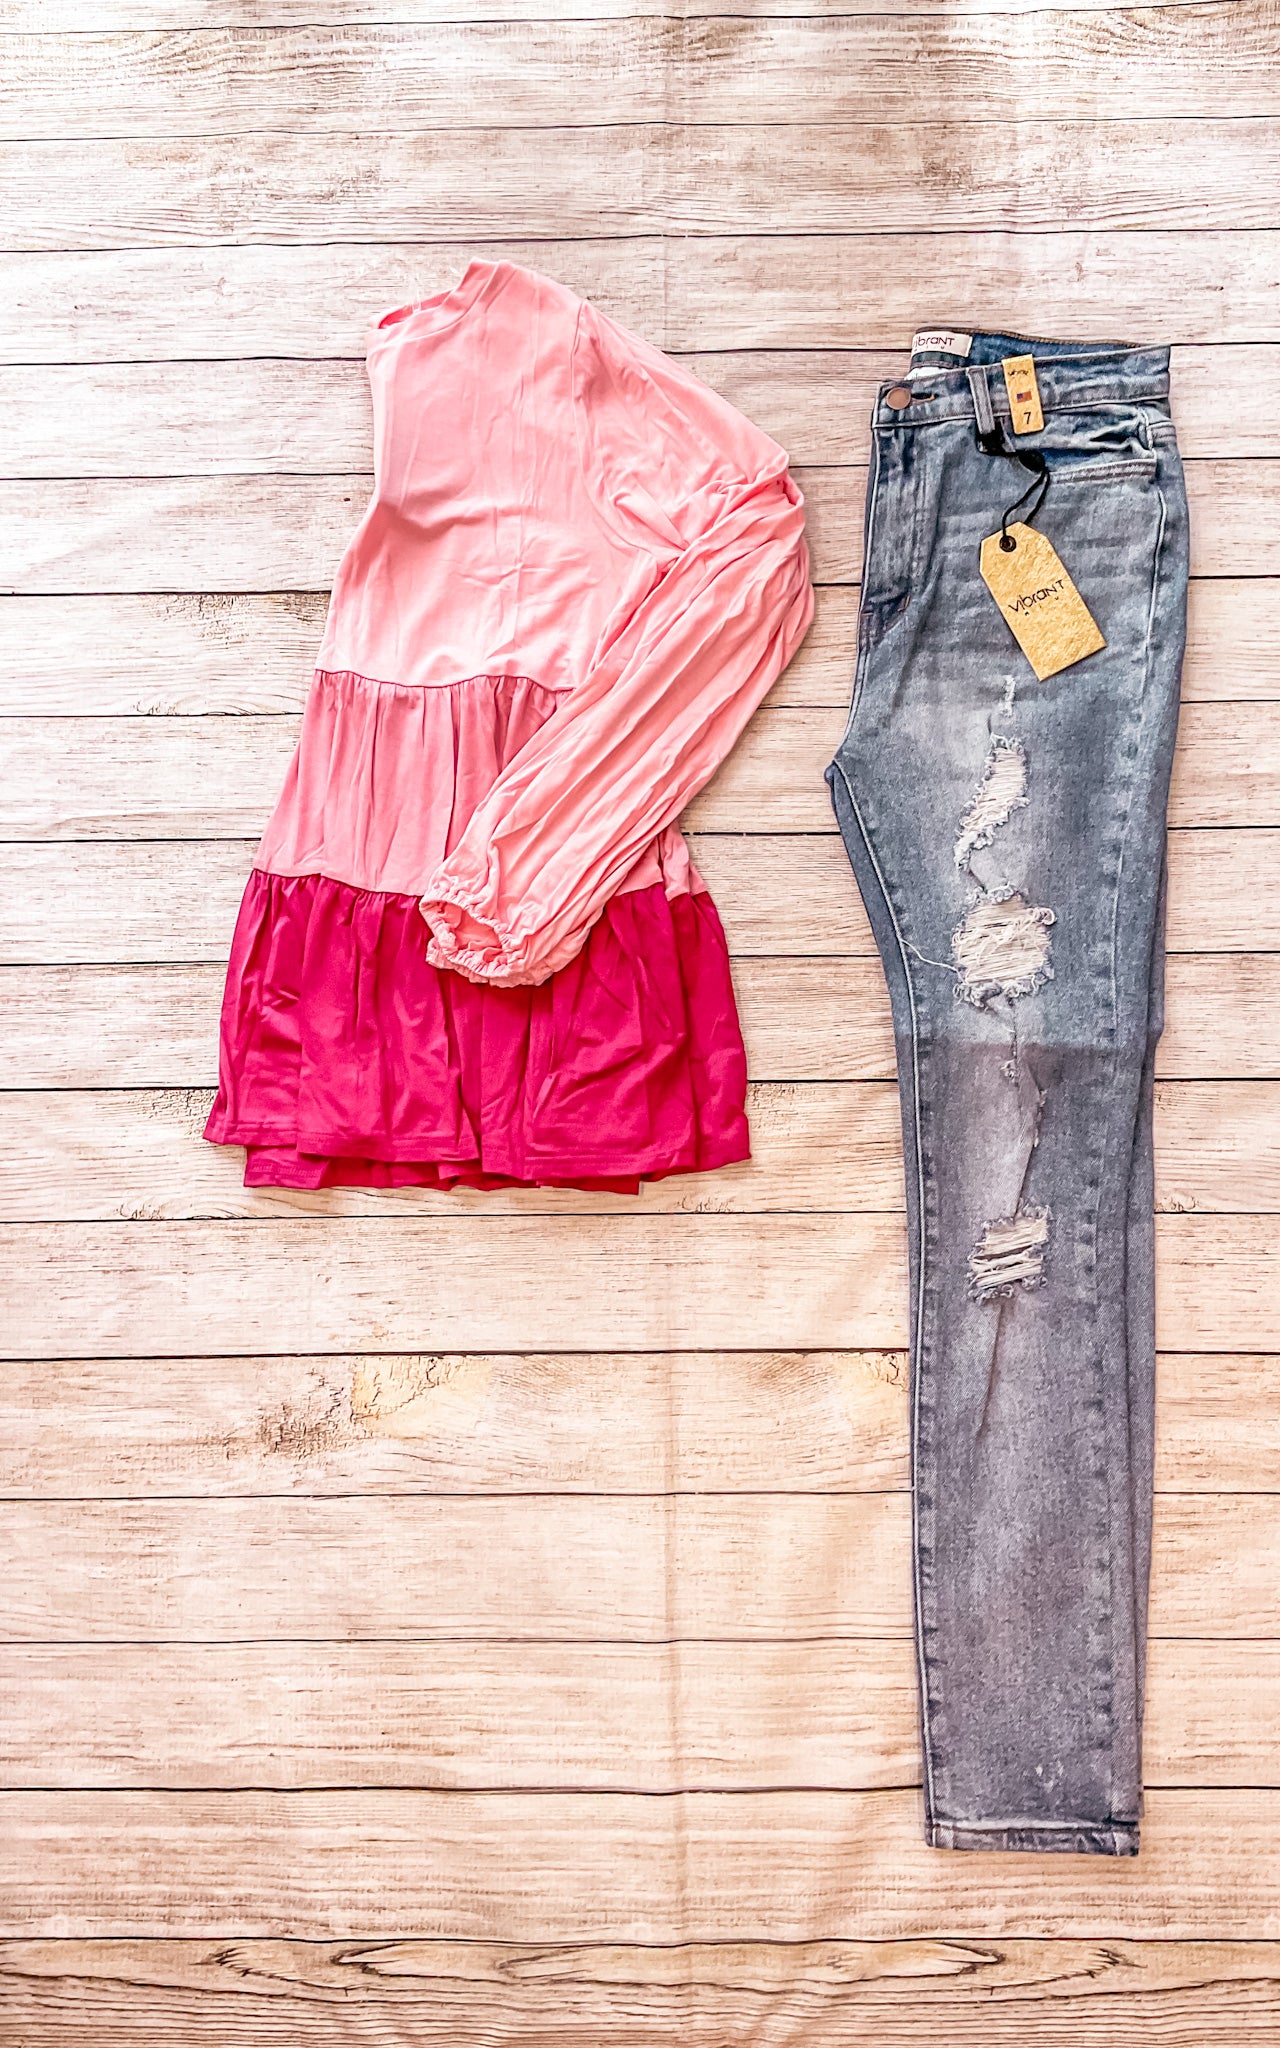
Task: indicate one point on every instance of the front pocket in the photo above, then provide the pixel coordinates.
(1092, 471)
(1099, 444)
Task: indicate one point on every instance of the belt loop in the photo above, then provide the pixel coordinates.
(981, 399)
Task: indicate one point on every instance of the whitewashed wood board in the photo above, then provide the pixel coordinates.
(774, 290)
(786, 895)
(380, 77)
(210, 778)
(661, 1568)
(638, 1283)
(228, 653)
(138, 1154)
(466, 185)
(529, 1422)
(270, 416)
(281, 533)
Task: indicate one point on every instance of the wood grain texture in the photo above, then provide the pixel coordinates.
(785, 895)
(283, 533)
(415, 1567)
(582, 1423)
(211, 778)
(607, 1867)
(588, 1422)
(614, 1568)
(227, 653)
(379, 77)
(509, 1423)
(343, 1422)
(973, 1992)
(638, 1283)
(268, 416)
(580, 1716)
(719, 292)
(111, 16)
(576, 1567)
(478, 184)
(155, 1027)
(815, 1146)
(85, 1156)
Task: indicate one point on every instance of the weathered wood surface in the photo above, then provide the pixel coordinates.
(987, 1993)
(267, 416)
(773, 290)
(993, 1993)
(138, 1154)
(156, 1027)
(284, 533)
(264, 417)
(375, 78)
(544, 1423)
(211, 778)
(640, 1283)
(471, 185)
(113, 16)
(617, 1568)
(560, 1867)
(230, 653)
(593, 1716)
(786, 193)
(783, 895)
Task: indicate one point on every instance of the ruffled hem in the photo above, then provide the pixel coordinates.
(349, 1060)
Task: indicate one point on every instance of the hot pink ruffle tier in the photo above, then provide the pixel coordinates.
(348, 1060)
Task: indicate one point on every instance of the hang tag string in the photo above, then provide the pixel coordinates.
(993, 443)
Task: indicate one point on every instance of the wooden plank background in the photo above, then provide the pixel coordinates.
(485, 1620)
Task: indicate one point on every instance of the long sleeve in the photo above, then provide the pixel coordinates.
(720, 601)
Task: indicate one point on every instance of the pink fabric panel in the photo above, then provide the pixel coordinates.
(481, 550)
(386, 777)
(347, 1058)
(385, 780)
(704, 501)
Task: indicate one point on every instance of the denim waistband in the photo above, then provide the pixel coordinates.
(1070, 375)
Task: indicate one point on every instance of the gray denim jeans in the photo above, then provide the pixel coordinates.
(1008, 839)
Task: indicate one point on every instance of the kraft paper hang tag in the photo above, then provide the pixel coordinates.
(1045, 612)
(1024, 394)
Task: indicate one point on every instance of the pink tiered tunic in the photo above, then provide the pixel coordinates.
(473, 949)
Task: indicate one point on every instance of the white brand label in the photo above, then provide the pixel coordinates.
(942, 340)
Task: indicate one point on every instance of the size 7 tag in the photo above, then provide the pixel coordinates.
(1044, 611)
(1024, 394)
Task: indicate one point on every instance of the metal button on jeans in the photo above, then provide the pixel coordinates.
(899, 398)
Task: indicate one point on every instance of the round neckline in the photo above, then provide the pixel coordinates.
(449, 305)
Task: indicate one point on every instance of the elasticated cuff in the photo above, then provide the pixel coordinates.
(1068, 1838)
(498, 958)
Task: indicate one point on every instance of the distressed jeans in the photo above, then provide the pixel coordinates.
(1008, 839)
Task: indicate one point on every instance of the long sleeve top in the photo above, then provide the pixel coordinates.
(474, 946)
(558, 502)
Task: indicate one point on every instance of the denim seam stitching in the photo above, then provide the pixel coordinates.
(1024, 1824)
(1115, 923)
(863, 655)
(1102, 472)
(926, 1739)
